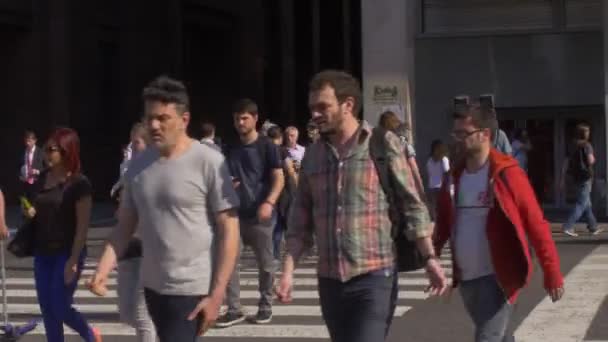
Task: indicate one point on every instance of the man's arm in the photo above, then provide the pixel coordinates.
(590, 155)
(408, 194)
(278, 182)
(120, 236)
(227, 250)
(537, 228)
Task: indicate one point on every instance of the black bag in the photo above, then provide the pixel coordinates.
(408, 257)
(22, 245)
(578, 165)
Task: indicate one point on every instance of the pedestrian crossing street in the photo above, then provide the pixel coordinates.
(300, 319)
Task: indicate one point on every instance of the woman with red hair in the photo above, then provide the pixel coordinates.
(60, 213)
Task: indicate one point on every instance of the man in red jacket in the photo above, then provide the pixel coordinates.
(489, 219)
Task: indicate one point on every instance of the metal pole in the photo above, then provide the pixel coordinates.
(3, 271)
(605, 41)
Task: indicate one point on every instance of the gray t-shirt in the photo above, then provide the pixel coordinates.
(175, 200)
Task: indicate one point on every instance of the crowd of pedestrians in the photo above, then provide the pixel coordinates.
(188, 207)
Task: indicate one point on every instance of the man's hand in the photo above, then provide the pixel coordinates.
(265, 212)
(97, 285)
(438, 284)
(283, 290)
(556, 294)
(4, 234)
(35, 172)
(207, 311)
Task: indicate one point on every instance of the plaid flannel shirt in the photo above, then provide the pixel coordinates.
(341, 206)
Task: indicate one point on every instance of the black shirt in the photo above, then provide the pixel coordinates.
(55, 220)
(252, 166)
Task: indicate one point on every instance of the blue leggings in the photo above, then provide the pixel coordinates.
(56, 298)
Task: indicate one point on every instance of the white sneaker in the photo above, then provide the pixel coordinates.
(570, 233)
(597, 231)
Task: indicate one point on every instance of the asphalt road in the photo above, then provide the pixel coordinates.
(421, 319)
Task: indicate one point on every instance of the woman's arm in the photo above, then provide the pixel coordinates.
(83, 215)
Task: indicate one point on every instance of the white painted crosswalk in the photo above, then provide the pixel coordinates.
(569, 319)
(302, 319)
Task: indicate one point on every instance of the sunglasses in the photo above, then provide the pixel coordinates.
(51, 149)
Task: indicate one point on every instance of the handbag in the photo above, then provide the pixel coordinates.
(407, 256)
(22, 245)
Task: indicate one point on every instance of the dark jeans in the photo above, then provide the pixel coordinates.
(56, 298)
(170, 316)
(491, 312)
(582, 207)
(360, 310)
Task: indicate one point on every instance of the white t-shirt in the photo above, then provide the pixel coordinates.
(435, 171)
(471, 247)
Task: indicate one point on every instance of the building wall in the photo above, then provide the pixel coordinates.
(83, 64)
(527, 70)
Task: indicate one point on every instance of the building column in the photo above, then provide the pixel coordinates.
(288, 60)
(388, 43)
(605, 42)
(59, 62)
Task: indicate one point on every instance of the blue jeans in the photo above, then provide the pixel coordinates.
(56, 298)
(361, 309)
(170, 316)
(582, 207)
(488, 307)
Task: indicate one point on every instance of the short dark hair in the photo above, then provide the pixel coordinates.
(344, 84)
(582, 128)
(29, 134)
(207, 129)
(481, 117)
(167, 90)
(274, 132)
(245, 106)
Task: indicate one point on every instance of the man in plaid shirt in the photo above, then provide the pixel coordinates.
(340, 204)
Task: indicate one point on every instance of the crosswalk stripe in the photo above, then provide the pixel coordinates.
(247, 294)
(586, 287)
(244, 330)
(243, 281)
(312, 271)
(277, 310)
(21, 290)
(313, 281)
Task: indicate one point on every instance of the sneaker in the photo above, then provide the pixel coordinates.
(229, 319)
(596, 231)
(570, 232)
(263, 317)
(96, 334)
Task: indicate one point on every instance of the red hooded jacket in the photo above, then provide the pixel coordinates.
(515, 219)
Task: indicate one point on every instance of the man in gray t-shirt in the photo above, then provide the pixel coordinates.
(179, 197)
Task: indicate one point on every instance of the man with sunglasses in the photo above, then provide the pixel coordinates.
(489, 221)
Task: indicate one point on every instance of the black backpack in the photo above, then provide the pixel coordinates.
(578, 164)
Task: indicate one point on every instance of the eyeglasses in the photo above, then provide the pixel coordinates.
(51, 149)
(461, 135)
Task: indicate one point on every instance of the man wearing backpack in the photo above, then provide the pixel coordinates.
(579, 166)
(258, 178)
(341, 207)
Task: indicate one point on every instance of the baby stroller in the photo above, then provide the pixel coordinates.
(10, 332)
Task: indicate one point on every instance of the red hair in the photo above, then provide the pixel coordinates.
(68, 141)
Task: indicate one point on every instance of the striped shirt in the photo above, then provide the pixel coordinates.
(341, 206)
